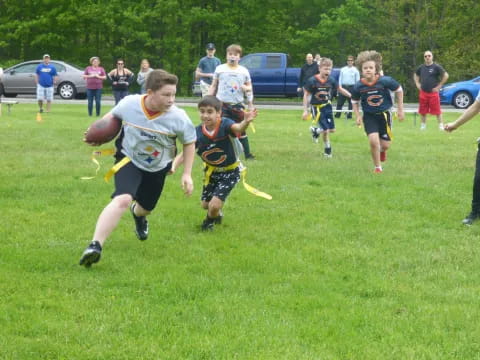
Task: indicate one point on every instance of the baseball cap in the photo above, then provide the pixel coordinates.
(46, 55)
(210, 46)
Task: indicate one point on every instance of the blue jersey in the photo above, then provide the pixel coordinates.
(321, 90)
(375, 97)
(217, 148)
(45, 74)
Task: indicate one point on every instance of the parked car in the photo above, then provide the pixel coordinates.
(271, 75)
(460, 94)
(20, 79)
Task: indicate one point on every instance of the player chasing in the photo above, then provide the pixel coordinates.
(318, 94)
(373, 91)
(231, 84)
(146, 148)
(467, 116)
(218, 146)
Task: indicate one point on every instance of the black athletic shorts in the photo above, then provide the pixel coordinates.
(144, 186)
(221, 184)
(380, 123)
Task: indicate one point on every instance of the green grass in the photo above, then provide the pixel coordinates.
(341, 264)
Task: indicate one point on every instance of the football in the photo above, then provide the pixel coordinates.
(103, 130)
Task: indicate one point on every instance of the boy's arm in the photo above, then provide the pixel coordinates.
(188, 155)
(399, 98)
(356, 111)
(466, 116)
(248, 90)
(213, 88)
(239, 128)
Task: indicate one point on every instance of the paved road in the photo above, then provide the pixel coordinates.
(262, 103)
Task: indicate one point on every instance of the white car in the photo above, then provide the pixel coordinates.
(20, 79)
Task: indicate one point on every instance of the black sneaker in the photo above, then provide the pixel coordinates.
(470, 218)
(218, 219)
(207, 224)
(141, 224)
(40, 111)
(250, 157)
(92, 254)
(327, 152)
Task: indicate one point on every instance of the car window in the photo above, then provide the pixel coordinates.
(252, 62)
(26, 68)
(274, 62)
(58, 66)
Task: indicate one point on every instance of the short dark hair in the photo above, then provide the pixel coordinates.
(159, 78)
(210, 100)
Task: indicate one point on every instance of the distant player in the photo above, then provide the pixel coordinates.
(216, 145)
(231, 84)
(373, 91)
(319, 91)
(145, 151)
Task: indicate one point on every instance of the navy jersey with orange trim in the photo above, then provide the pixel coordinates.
(375, 97)
(321, 90)
(217, 148)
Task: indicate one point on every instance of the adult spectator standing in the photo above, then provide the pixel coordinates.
(308, 69)
(206, 68)
(317, 58)
(46, 78)
(121, 79)
(429, 78)
(145, 69)
(94, 76)
(349, 75)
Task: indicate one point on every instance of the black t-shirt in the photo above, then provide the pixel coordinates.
(307, 72)
(430, 76)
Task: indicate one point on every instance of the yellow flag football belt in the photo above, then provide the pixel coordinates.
(114, 169)
(319, 107)
(209, 169)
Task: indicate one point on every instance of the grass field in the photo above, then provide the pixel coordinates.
(341, 264)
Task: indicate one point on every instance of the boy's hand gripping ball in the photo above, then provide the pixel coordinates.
(103, 130)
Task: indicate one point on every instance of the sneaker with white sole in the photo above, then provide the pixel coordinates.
(92, 254)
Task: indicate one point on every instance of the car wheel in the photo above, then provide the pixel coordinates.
(462, 100)
(67, 90)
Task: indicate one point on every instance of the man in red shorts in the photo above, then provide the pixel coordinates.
(429, 78)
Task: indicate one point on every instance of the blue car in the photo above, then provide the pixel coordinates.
(460, 94)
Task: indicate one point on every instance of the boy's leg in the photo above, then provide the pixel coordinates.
(475, 212)
(374, 141)
(384, 146)
(110, 216)
(327, 152)
(106, 223)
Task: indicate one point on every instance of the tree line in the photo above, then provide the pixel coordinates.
(172, 33)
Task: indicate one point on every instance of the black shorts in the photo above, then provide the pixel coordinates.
(221, 184)
(235, 112)
(380, 123)
(325, 118)
(144, 186)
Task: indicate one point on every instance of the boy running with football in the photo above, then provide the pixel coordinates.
(231, 84)
(373, 91)
(145, 151)
(217, 146)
